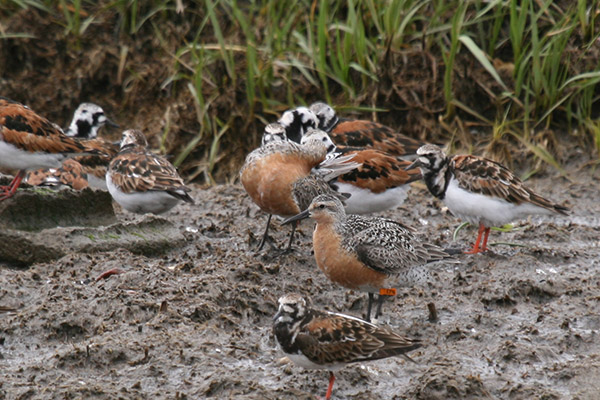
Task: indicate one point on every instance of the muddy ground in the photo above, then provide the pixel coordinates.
(195, 322)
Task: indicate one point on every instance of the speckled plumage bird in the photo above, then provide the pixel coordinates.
(29, 141)
(480, 191)
(379, 184)
(141, 181)
(367, 254)
(316, 339)
(271, 171)
(82, 171)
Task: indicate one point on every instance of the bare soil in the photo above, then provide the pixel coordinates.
(194, 321)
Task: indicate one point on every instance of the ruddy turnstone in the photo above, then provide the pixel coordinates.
(83, 171)
(373, 255)
(480, 191)
(70, 174)
(316, 339)
(347, 132)
(141, 181)
(271, 172)
(297, 121)
(362, 133)
(29, 141)
(87, 121)
(379, 184)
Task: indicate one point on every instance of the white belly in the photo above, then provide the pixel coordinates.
(491, 211)
(155, 202)
(96, 182)
(302, 361)
(363, 201)
(15, 158)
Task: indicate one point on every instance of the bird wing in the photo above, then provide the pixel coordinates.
(361, 133)
(487, 177)
(389, 247)
(331, 338)
(141, 171)
(379, 171)
(26, 130)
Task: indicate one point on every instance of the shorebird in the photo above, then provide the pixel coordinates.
(82, 171)
(379, 184)
(347, 132)
(29, 141)
(373, 255)
(480, 191)
(141, 181)
(297, 122)
(274, 175)
(316, 339)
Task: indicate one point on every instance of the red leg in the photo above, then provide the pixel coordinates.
(110, 272)
(485, 239)
(476, 248)
(10, 190)
(330, 388)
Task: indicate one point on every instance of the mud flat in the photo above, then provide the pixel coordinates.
(191, 318)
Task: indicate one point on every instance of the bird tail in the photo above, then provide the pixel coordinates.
(335, 165)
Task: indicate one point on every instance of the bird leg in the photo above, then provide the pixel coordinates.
(485, 239)
(264, 238)
(10, 190)
(330, 388)
(380, 299)
(433, 315)
(294, 226)
(476, 248)
(371, 296)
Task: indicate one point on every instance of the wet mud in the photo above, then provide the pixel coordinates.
(193, 319)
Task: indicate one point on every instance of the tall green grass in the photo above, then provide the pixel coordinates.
(285, 53)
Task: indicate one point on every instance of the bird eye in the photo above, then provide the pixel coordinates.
(322, 206)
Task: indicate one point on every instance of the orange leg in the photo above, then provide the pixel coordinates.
(485, 239)
(476, 248)
(9, 191)
(106, 274)
(330, 388)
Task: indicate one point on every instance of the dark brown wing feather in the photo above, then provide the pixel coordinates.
(97, 164)
(379, 171)
(360, 133)
(137, 170)
(332, 338)
(487, 177)
(23, 128)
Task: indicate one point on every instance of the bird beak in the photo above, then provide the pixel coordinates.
(415, 164)
(304, 214)
(277, 315)
(112, 123)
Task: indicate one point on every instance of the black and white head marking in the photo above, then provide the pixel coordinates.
(297, 121)
(87, 120)
(326, 116)
(274, 132)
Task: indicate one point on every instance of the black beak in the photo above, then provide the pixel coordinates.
(112, 123)
(277, 315)
(415, 164)
(304, 214)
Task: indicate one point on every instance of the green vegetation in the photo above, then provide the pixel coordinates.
(502, 77)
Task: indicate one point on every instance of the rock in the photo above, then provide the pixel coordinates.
(40, 225)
